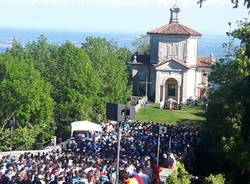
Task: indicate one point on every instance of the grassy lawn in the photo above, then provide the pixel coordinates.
(188, 115)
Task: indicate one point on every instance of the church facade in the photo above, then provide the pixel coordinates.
(173, 69)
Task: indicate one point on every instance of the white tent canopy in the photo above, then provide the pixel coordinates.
(85, 126)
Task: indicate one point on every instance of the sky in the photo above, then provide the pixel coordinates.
(117, 16)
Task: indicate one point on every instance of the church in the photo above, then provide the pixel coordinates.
(173, 69)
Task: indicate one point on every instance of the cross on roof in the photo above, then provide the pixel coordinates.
(200, 2)
(146, 84)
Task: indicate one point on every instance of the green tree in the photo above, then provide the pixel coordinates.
(75, 87)
(24, 92)
(142, 44)
(111, 69)
(179, 176)
(43, 55)
(229, 113)
(17, 50)
(215, 179)
(80, 87)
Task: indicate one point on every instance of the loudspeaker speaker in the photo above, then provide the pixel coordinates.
(162, 130)
(158, 129)
(117, 112)
(155, 129)
(111, 111)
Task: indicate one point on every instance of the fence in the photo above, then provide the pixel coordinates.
(35, 152)
(141, 103)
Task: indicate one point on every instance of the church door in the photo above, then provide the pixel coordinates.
(142, 90)
(171, 89)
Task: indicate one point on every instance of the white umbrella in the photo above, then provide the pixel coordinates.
(85, 126)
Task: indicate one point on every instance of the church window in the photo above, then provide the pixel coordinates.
(161, 55)
(166, 51)
(204, 74)
(176, 50)
(184, 51)
(161, 93)
(204, 79)
(172, 50)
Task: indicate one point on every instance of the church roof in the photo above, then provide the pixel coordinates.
(204, 61)
(162, 63)
(174, 28)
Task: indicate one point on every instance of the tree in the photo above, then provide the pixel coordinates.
(179, 176)
(228, 113)
(142, 44)
(18, 51)
(80, 87)
(111, 69)
(24, 92)
(75, 87)
(215, 179)
(43, 55)
(226, 134)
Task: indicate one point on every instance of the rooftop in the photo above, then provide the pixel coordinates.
(205, 61)
(174, 29)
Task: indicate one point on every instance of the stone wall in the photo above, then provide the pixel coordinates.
(35, 152)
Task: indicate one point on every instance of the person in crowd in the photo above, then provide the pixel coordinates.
(5, 179)
(150, 171)
(54, 181)
(167, 161)
(87, 160)
(144, 177)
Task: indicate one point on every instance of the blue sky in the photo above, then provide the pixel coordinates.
(121, 16)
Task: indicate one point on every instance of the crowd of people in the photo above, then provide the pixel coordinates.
(89, 158)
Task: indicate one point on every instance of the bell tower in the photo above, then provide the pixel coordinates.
(174, 14)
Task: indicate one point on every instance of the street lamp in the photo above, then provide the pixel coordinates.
(13, 124)
(54, 136)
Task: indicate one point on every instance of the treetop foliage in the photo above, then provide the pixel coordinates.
(142, 44)
(23, 92)
(48, 85)
(228, 113)
(179, 176)
(215, 179)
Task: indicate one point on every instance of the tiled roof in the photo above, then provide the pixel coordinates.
(204, 61)
(174, 29)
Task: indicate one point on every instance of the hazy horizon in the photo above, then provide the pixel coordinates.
(117, 16)
(208, 43)
(43, 30)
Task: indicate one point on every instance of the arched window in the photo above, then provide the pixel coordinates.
(171, 87)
